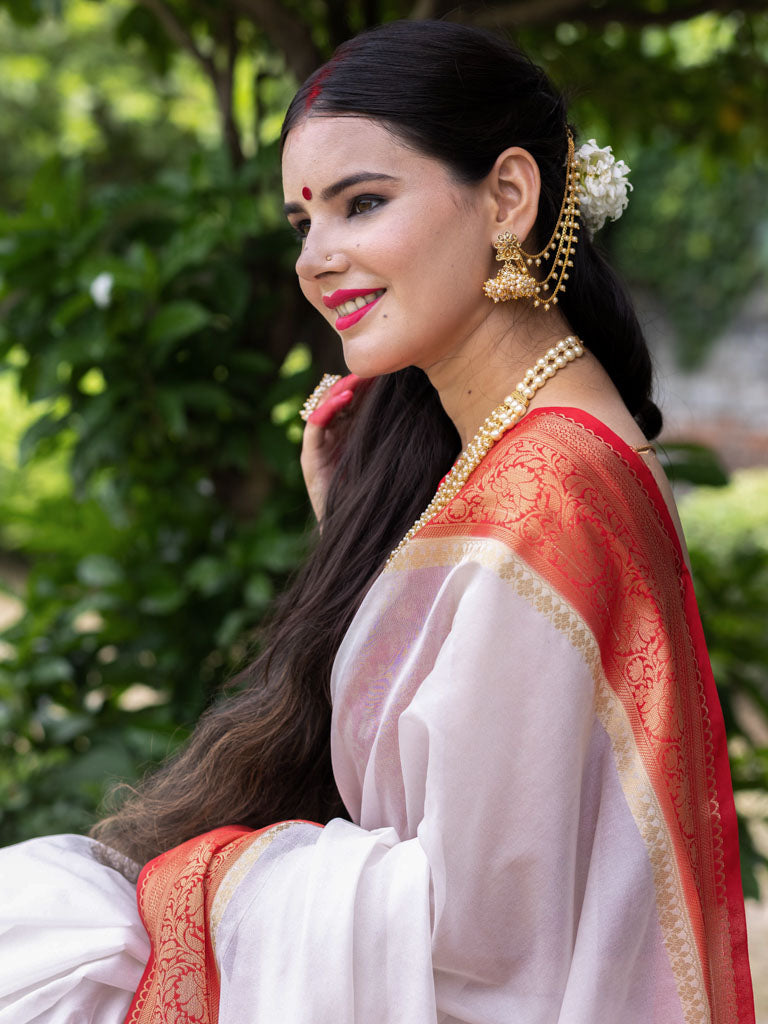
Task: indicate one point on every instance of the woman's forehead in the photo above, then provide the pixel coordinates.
(322, 149)
(329, 141)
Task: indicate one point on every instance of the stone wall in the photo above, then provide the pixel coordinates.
(724, 403)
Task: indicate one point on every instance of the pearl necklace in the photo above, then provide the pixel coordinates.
(502, 419)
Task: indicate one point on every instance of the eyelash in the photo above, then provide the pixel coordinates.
(301, 235)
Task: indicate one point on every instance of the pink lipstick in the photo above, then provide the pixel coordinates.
(346, 301)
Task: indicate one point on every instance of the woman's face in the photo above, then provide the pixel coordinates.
(388, 230)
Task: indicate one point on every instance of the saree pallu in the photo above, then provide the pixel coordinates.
(527, 737)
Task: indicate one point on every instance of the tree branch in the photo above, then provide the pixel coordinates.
(176, 31)
(423, 9)
(286, 32)
(222, 79)
(525, 12)
(538, 12)
(337, 21)
(371, 15)
(225, 90)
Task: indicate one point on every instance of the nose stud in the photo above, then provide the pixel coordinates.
(328, 259)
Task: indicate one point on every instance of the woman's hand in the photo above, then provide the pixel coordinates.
(322, 435)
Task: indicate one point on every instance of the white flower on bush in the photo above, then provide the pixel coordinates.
(603, 185)
(101, 289)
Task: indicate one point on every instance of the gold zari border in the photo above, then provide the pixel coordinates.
(237, 872)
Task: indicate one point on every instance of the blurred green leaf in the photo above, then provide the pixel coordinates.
(693, 464)
(49, 670)
(48, 426)
(177, 320)
(99, 571)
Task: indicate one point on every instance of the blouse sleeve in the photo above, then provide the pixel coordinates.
(513, 885)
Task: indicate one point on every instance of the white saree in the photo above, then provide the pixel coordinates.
(72, 947)
(526, 736)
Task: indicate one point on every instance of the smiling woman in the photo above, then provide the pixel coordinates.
(479, 771)
(394, 229)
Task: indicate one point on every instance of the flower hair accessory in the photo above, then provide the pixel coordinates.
(602, 185)
(595, 189)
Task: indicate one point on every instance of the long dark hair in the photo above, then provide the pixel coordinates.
(462, 96)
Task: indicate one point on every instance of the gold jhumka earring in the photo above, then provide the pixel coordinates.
(515, 280)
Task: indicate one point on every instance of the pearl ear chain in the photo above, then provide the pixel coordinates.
(502, 419)
(515, 280)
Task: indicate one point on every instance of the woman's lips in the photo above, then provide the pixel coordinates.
(343, 295)
(354, 312)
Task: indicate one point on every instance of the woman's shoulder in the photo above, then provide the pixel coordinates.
(563, 477)
(608, 447)
(554, 455)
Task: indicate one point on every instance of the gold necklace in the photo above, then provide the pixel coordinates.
(502, 419)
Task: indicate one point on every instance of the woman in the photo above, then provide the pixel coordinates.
(493, 693)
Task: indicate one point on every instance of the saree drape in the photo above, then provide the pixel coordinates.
(72, 948)
(528, 740)
(527, 737)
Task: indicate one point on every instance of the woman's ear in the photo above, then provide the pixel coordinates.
(513, 188)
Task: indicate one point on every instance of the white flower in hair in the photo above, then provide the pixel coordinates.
(603, 185)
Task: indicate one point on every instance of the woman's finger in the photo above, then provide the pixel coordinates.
(349, 383)
(325, 412)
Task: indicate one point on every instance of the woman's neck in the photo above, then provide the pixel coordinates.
(490, 364)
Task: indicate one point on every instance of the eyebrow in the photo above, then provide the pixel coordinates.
(333, 190)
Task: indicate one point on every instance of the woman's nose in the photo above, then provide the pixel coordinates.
(318, 256)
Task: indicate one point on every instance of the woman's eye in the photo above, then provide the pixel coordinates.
(360, 204)
(301, 230)
(363, 204)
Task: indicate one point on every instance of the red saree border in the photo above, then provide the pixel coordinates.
(697, 800)
(176, 892)
(729, 835)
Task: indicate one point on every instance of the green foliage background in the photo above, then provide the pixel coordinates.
(150, 495)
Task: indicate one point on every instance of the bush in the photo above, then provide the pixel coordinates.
(156, 328)
(727, 531)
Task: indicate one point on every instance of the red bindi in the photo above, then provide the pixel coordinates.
(306, 192)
